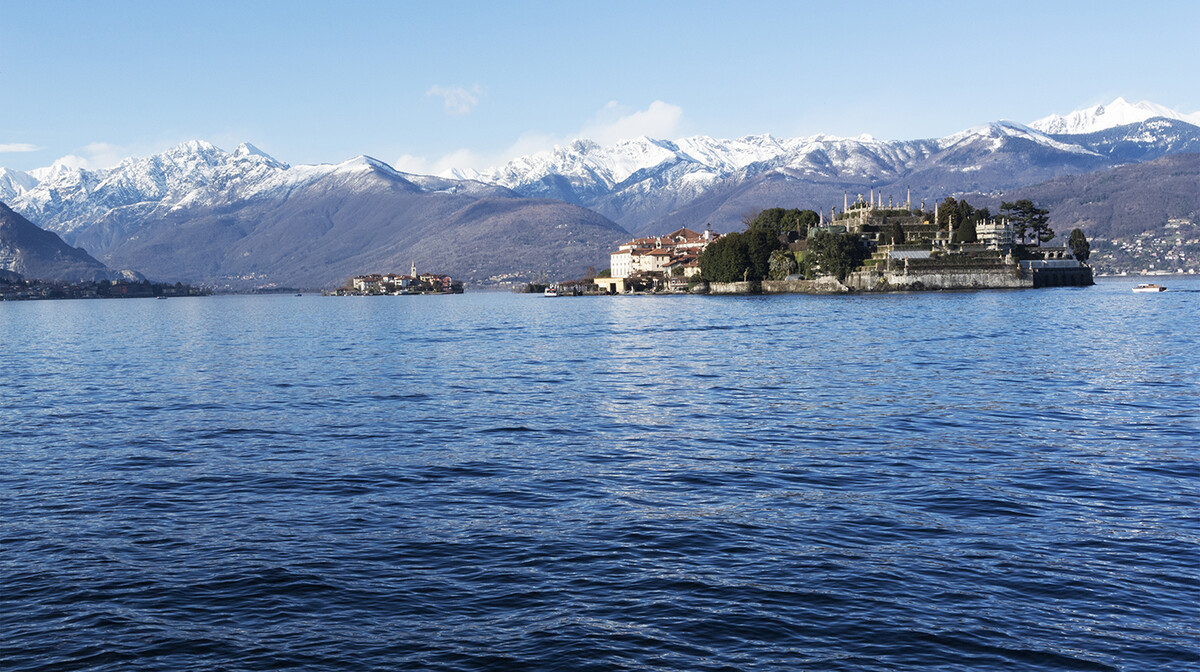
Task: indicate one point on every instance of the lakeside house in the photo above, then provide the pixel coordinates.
(657, 260)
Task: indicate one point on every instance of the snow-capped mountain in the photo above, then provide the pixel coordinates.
(1103, 117)
(14, 182)
(641, 183)
(1143, 141)
(243, 219)
(644, 185)
(65, 199)
(29, 252)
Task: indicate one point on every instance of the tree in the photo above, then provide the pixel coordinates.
(760, 243)
(778, 220)
(947, 212)
(1028, 220)
(782, 264)
(739, 256)
(725, 259)
(1079, 245)
(805, 220)
(964, 232)
(836, 254)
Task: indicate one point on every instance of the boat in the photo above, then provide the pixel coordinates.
(550, 291)
(1149, 287)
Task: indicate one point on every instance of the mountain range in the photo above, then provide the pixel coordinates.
(31, 253)
(243, 219)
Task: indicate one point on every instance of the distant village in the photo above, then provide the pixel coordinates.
(394, 284)
(869, 245)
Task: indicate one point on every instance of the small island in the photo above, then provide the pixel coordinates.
(395, 284)
(868, 246)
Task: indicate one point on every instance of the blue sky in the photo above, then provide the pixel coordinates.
(428, 85)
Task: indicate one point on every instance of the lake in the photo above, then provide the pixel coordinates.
(1001, 480)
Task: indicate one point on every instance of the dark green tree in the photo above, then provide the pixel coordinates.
(964, 231)
(1028, 220)
(947, 212)
(806, 219)
(725, 259)
(760, 243)
(836, 254)
(778, 220)
(1079, 245)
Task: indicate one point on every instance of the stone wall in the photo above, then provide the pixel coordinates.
(948, 278)
(733, 288)
(824, 285)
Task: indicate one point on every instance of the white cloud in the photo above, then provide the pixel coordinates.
(463, 159)
(72, 161)
(18, 147)
(611, 124)
(455, 99)
(99, 155)
(614, 123)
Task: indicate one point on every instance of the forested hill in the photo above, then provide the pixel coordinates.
(1120, 202)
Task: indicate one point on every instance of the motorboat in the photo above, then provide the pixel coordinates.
(550, 291)
(1149, 287)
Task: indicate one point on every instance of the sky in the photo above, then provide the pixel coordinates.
(429, 86)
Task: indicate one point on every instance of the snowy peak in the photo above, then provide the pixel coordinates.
(247, 151)
(14, 182)
(1103, 117)
(997, 133)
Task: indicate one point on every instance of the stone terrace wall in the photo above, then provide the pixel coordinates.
(947, 278)
(826, 285)
(733, 288)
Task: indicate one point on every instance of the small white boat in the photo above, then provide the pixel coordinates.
(550, 291)
(1149, 287)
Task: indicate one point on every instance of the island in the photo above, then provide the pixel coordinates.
(395, 284)
(867, 246)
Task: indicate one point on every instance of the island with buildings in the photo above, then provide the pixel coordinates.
(869, 246)
(395, 284)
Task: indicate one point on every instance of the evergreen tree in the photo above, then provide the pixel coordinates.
(1028, 220)
(760, 243)
(836, 254)
(1079, 245)
(725, 259)
(779, 220)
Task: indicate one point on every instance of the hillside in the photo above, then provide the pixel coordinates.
(244, 220)
(1139, 217)
(35, 254)
(355, 218)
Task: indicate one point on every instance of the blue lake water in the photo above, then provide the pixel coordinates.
(951, 481)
